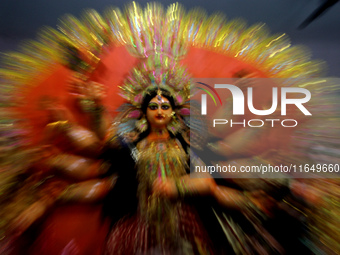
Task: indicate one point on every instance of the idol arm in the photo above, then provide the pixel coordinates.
(76, 137)
(76, 167)
(88, 191)
(204, 185)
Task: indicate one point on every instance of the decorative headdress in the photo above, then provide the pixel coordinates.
(160, 51)
(157, 72)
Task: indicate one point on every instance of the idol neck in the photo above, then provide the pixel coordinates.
(158, 133)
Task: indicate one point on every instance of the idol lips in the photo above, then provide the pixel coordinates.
(160, 117)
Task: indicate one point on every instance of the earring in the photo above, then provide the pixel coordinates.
(142, 124)
(174, 126)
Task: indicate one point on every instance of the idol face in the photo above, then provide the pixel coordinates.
(159, 112)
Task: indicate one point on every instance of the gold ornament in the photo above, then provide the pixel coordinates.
(174, 125)
(142, 124)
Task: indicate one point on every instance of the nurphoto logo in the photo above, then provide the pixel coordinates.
(301, 96)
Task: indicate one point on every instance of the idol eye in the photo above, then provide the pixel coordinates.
(165, 107)
(153, 106)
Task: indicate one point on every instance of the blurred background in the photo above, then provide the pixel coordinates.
(313, 23)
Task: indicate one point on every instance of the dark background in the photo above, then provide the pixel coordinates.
(21, 19)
